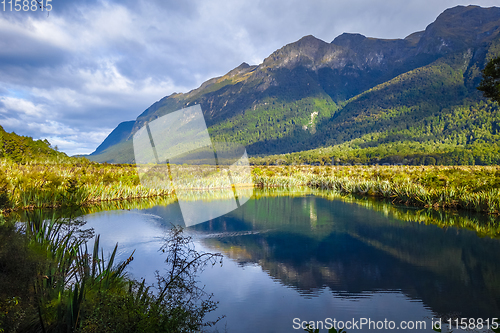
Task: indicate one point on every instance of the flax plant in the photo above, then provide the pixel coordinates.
(76, 288)
(68, 274)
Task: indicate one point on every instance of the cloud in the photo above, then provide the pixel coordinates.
(21, 107)
(36, 119)
(73, 75)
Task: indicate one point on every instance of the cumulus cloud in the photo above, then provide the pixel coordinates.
(73, 75)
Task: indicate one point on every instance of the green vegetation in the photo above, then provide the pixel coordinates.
(51, 282)
(275, 119)
(79, 182)
(490, 84)
(22, 149)
(469, 188)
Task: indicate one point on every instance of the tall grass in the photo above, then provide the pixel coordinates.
(470, 188)
(474, 188)
(28, 186)
(482, 224)
(25, 186)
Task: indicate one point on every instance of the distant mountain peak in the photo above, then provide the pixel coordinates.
(460, 27)
(306, 51)
(308, 39)
(458, 10)
(241, 69)
(348, 39)
(120, 133)
(414, 38)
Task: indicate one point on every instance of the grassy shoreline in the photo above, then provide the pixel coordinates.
(29, 186)
(473, 188)
(482, 224)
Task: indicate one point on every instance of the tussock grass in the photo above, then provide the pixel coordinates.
(24, 186)
(474, 188)
(482, 224)
(51, 185)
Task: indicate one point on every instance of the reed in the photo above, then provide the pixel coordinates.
(28, 186)
(474, 188)
(470, 188)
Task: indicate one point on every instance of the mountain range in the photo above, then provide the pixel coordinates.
(356, 99)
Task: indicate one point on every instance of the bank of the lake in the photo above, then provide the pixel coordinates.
(264, 239)
(53, 185)
(473, 188)
(35, 185)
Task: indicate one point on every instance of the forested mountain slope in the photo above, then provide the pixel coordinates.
(363, 98)
(23, 149)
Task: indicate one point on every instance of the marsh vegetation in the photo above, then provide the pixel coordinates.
(32, 185)
(475, 188)
(55, 277)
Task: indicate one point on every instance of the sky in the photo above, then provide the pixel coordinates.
(73, 74)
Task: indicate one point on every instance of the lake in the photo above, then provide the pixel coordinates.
(306, 255)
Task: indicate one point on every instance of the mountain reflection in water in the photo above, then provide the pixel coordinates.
(308, 243)
(303, 253)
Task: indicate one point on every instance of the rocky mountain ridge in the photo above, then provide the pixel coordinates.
(266, 107)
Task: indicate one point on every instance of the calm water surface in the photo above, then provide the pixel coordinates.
(312, 258)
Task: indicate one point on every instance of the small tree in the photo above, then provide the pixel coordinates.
(178, 305)
(178, 289)
(490, 84)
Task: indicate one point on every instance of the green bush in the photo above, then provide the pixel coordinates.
(4, 187)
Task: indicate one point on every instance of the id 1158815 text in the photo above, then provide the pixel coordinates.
(26, 5)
